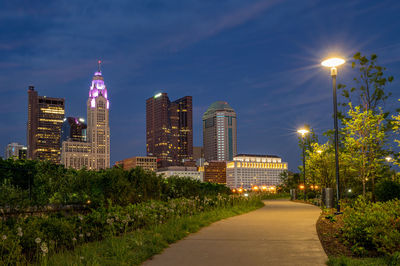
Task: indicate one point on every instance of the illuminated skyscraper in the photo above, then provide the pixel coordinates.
(98, 129)
(89, 146)
(219, 132)
(169, 130)
(45, 117)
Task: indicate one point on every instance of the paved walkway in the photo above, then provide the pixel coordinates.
(280, 233)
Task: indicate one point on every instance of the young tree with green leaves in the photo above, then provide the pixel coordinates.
(369, 89)
(364, 141)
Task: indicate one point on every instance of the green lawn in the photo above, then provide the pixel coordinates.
(136, 247)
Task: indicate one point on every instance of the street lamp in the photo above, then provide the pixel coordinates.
(389, 159)
(303, 132)
(333, 63)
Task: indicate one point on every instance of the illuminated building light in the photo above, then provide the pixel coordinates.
(157, 95)
(93, 103)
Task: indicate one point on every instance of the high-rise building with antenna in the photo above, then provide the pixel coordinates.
(95, 152)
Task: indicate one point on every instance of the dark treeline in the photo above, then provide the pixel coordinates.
(26, 183)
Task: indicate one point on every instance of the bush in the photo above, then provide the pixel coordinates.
(48, 183)
(372, 227)
(387, 190)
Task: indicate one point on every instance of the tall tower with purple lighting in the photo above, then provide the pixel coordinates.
(98, 129)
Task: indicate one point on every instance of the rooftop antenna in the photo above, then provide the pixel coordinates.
(99, 67)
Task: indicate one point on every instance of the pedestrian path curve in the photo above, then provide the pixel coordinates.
(280, 233)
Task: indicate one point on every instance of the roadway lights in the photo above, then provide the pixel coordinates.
(333, 63)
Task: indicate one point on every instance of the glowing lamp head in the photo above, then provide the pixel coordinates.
(388, 159)
(333, 62)
(303, 131)
(301, 187)
(319, 151)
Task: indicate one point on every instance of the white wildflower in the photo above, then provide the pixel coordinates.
(38, 240)
(74, 239)
(20, 234)
(44, 248)
(4, 237)
(80, 235)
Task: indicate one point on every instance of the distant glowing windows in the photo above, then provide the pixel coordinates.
(93, 103)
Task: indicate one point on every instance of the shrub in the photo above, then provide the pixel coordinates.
(387, 190)
(372, 227)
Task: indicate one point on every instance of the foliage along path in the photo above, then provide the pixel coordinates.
(280, 233)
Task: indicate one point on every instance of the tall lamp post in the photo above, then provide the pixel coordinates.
(333, 63)
(303, 132)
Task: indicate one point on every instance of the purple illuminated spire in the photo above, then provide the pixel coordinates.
(98, 88)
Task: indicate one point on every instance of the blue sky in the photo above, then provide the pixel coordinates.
(263, 57)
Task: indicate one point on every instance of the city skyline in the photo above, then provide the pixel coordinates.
(245, 53)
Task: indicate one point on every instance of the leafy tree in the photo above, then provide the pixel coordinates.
(369, 90)
(364, 140)
(289, 180)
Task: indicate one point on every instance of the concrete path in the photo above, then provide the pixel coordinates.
(280, 233)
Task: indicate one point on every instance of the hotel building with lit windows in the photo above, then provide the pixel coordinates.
(219, 132)
(248, 170)
(45, 118)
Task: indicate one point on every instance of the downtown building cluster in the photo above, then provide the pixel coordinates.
(55, 137)
(169, 144)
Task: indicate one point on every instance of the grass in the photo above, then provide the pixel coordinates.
(138, 246)
(381, 261)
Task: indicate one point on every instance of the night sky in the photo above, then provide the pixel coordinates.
(262, 57)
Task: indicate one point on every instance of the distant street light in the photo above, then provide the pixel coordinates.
(390, 159)
(333, 63)
(303, 132)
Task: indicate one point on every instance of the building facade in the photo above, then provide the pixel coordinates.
(77, 155)
(89, 146)
(219, 132)
(181, 171)
(146, 162)
(45, 118)
(215, 172)
(16, 151)
(73, 128)
(248, 170)
(98, 129)
(169, 129)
